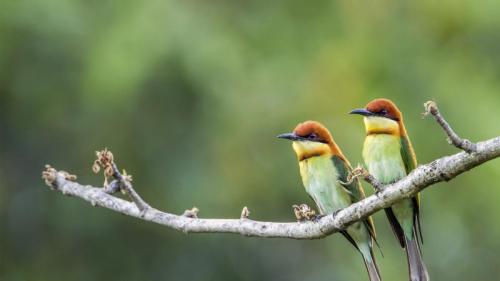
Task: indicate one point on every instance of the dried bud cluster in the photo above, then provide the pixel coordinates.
(105, 161)
(68, 176)
(430, 108)
(49, 175)
(359, 171)
(193, 213)
(126, 177)
(303, 212)
(245, 213)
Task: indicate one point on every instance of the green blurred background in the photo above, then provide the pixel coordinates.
(189, 95)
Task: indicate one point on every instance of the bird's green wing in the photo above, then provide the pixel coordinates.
(343, 170)
(408, 155)
(355, 189)
(410, 162)
(409, 159)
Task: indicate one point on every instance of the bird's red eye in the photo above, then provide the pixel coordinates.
(312, 136)
(383, 111)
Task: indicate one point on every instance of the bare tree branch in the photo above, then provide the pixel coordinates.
(442, 169)
(453, 138)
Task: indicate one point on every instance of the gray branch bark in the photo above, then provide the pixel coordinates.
(453, 138)
(442, 169)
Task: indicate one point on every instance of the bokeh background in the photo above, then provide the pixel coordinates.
(189, 95)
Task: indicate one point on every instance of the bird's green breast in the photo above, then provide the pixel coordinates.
(382, 155)
(320, 178)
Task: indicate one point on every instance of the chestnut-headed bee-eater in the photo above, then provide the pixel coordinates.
(324, 171)
(389, 156)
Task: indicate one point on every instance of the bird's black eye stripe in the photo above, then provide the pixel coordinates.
(315, 138)
(384, 113)
(312, 136)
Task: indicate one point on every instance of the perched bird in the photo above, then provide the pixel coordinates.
(389, 156)
(324, 170)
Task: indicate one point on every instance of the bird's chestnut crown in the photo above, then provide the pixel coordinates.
(312, 139)
(384, 108)
(313, 131)
(380, 108)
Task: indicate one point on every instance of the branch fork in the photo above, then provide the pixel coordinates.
(122, 181)
(452, 137)
(360, 172)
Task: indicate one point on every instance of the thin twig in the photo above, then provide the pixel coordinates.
(453, 138)
(372, 181)
(360, 172)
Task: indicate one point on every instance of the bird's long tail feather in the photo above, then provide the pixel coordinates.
(372, 268)
(417, 269)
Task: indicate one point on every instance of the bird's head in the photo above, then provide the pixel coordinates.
(311, 139)
(381, 116)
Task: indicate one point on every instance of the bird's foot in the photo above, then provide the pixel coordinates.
(336, 212)
(317, 218)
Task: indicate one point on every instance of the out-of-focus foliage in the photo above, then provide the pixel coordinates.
(189, 95)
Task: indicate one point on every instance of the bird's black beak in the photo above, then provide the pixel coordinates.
(290, 136)
(361, 111)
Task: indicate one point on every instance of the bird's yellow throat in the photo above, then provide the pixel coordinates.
(308, 149)
(381, 125)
